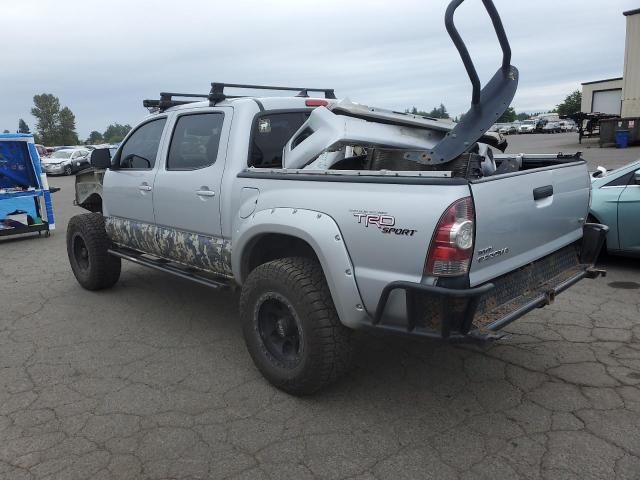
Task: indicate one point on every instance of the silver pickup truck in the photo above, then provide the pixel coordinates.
(333, 216)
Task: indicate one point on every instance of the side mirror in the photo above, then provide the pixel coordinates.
(636, 177)
(100, 158)
(600, 171)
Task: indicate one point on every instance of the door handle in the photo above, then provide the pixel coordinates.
(145, 187)
(205, 193)
(542, 192)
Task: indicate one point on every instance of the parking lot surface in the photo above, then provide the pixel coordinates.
(152, 380)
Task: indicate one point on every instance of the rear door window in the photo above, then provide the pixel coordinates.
(269, 135)
(195, 141)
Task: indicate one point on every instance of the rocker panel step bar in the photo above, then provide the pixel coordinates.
(168, 267)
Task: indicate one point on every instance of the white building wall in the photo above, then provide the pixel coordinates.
(631, 84)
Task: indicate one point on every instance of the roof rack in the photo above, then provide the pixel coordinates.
(167, 101)
(217, 94)
(217, 90)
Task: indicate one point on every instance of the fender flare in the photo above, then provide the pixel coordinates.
(321, 232)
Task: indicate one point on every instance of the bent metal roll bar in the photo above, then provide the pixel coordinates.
(488, 103)
(462, 48)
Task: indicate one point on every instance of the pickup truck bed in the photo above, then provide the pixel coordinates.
(527, 249)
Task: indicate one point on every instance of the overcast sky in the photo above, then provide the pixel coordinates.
(101, 58)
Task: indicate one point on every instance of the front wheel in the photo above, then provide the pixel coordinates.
(68, 170)
(291, 327)
(88, 251)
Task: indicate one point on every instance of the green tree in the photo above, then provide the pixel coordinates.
(95, 138)
(67, 127)
(415, 111)
(46, 109)
(23, 127)
(439, 112)
(115, 133)
(522, 116)
(571, 104)
(508, 116)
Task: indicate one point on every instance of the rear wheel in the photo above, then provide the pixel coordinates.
(291, 327)
(87, 249)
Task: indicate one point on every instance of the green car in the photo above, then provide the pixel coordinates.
(615, 201)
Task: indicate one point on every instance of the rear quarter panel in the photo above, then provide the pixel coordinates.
(379, 256)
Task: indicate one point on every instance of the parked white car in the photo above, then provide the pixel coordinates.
(66, 161)
(567, 126)
(528, 126)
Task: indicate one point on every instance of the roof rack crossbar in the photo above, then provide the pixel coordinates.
(167, 101)
(185, 95)
(217, 90)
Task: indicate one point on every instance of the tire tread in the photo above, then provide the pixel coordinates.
(104, 269)
(331, 352)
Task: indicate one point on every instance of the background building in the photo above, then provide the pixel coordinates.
(631, 77)
(602, 96)
(619, 96)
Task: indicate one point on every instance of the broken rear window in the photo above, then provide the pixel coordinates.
(270, 134)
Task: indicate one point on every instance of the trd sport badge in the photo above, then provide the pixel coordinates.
(384, 222)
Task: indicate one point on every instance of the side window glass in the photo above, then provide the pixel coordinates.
(141, 148)
(195, 141)
(621, 181)
(270, 134)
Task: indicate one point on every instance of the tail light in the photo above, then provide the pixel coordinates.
(316, 102)
(451, 247)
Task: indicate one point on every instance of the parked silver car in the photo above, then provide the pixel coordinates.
(551, 127)
(66, 161)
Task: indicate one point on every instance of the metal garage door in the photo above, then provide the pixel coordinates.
(607, 101)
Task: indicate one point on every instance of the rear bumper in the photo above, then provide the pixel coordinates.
(476, 313)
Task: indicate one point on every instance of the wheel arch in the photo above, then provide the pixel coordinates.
(93, 203)
(265, 247)
(285, 232)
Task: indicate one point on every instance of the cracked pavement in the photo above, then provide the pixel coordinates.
(152, 380)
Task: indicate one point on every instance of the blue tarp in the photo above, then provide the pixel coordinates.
(20, 167)
(16, 167)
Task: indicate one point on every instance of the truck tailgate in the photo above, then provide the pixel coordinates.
(524, 216)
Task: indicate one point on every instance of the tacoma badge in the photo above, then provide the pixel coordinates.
(489, 253)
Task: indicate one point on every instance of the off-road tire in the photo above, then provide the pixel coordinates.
(87, 248)
(325, 344)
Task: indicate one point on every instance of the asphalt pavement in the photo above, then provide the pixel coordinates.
(152, 380)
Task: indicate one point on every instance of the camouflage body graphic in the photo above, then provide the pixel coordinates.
(210, 254)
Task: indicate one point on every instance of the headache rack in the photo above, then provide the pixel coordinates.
(217, 94)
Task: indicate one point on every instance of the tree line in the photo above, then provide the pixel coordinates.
(571, 104)
(509, 115)
(56, 125)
